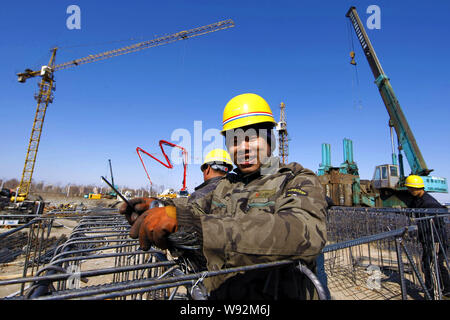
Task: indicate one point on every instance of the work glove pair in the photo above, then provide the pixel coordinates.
(151, 226)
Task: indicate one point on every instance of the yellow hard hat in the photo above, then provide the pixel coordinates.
(218, 156)
(244, 110)
(414, 181)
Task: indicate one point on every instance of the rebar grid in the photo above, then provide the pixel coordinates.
(100, 261)
(352, 269)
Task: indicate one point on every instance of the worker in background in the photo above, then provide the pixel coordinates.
(260, 213)
(216, 165)
(422, 199)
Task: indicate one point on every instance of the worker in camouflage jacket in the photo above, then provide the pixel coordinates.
(262, 212)
(215, 166)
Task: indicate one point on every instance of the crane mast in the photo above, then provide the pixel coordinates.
(43, 98)
(283, 135)
(46, 87)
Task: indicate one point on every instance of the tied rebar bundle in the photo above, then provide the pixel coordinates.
(186, 244)
(185, 238)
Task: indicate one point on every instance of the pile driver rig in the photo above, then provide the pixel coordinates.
(386, 189)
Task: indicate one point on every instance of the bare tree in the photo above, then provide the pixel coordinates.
(11, 184)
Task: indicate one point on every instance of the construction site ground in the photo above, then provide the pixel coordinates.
(61, 228)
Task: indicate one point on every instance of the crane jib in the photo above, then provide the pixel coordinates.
(46, 87)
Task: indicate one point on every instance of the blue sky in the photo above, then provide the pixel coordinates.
(291, 51)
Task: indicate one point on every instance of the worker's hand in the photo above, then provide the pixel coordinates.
(138, 207)
(153, 227)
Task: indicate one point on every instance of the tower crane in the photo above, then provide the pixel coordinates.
(46, 87)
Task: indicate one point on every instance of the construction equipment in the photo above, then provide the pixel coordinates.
(342, 184)
(397, 119)
(167, 194)
(169, 165)
(387, 188)
(46, 87)
(95, 196)
(283, 135)
(116, 191)
(112, 194)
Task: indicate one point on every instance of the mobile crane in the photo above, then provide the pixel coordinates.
(389, 179)
(46, 88)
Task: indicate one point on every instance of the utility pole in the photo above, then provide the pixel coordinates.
(283, 135)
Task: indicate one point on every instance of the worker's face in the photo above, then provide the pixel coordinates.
(415, 192)
(248, 148)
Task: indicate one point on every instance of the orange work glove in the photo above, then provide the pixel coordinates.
(138, 207)
(153, 227)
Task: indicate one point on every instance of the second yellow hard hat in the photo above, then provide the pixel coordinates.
(414, 181)
(218, 155)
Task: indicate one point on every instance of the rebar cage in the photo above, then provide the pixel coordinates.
(372, 253)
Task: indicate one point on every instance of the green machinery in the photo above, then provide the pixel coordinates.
(343, 184)
(386, 189)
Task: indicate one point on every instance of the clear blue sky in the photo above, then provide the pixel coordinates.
(291, 51)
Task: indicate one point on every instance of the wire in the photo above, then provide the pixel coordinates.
(357, 103)
(101, 43)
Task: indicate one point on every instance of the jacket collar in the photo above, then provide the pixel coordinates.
(207, 182)
(269, 167)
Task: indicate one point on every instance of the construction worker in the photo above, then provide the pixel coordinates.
(260, 213)
(422, 199)
(216, 165)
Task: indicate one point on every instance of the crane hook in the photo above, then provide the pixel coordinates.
(352, 55)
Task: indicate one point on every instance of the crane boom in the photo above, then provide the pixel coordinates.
(182, 35)
(46, 87)
(405, 136)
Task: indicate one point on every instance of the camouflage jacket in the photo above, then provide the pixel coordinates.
(205, 188)
(260, 218)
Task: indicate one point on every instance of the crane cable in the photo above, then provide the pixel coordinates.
(355, 79)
